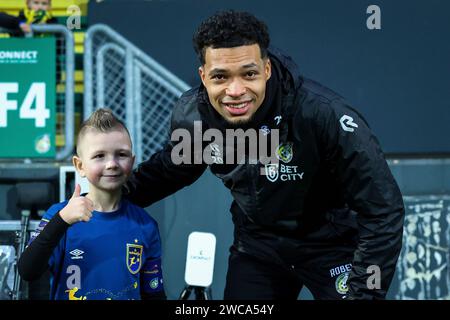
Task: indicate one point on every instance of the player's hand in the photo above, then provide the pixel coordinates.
(78, 209)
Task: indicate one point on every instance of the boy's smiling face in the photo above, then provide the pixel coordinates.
(105, 159)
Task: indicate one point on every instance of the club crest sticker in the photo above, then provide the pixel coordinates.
(42, 144)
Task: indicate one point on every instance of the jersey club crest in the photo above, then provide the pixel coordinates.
(134, 257)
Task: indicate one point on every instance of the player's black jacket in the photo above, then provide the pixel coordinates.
(331, 188)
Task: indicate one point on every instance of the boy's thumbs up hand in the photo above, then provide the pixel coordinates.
(77, 191)
(78, 209)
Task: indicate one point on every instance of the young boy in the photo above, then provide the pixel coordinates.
(98, 245)
(35, 12)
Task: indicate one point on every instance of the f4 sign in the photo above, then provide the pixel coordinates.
(27, 97)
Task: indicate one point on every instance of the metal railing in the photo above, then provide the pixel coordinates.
(66, 62)
(65, 65)
(22, 229)
(140, 91)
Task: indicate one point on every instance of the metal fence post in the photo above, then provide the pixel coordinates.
(139, 90)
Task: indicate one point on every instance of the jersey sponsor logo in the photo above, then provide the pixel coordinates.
(272, 172)
(134, 257)
(283, 172)
(76, 254)
(347, 123)
(341, 283)
(284, 152)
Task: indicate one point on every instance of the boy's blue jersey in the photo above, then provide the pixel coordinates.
(116, 255)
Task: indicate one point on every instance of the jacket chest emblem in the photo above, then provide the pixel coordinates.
(285, 152)
(280, 171)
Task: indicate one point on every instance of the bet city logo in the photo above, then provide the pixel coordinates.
(275, 171)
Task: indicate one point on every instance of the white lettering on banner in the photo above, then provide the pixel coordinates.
(40, 113)
(6, 104)
(35, 95)
(22, 55)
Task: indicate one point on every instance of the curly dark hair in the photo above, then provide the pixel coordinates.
(228, 29)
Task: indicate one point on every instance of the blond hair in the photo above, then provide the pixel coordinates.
(102, 120)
